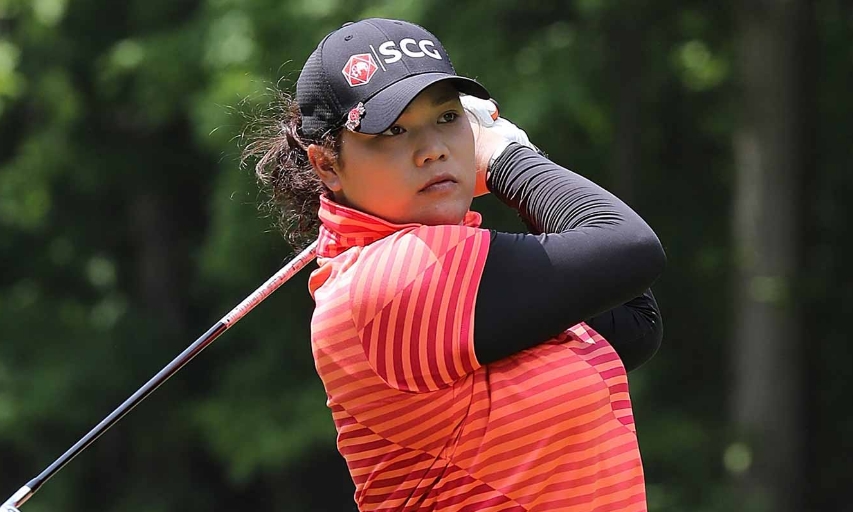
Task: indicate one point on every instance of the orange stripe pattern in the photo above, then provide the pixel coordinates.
(421, 424)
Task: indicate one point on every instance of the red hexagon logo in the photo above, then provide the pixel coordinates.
(359, 68)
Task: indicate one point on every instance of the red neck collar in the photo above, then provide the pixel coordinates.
(342, 227)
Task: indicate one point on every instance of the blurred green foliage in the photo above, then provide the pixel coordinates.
(127, 227)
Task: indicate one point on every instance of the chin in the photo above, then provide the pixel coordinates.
(443, 221)
(445, 214)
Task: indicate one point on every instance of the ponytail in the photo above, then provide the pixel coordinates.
(282, 168)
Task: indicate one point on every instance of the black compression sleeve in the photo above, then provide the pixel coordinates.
(593, 255)
(634, 329)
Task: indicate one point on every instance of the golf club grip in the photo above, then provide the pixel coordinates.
(279, 278)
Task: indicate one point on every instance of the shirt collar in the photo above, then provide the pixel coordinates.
(342, 228)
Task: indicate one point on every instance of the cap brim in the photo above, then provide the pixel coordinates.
(385, 107)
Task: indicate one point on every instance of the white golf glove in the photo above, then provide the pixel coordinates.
(485, 114)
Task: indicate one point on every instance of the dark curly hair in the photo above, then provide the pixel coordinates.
(274, 143)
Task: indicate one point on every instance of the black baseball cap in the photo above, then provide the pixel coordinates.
(365, 74)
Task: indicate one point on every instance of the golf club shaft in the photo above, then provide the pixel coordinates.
(280, 277)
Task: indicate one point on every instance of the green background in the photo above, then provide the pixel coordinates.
(128, 227)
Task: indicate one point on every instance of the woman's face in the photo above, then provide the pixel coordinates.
(420, 170)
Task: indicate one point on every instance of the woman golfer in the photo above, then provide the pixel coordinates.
(466, 369)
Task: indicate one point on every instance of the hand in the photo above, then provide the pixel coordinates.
(492, 134)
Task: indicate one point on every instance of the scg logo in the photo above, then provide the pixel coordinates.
(410, 47)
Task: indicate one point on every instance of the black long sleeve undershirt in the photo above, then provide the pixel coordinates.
(634, 329)
(593, 259)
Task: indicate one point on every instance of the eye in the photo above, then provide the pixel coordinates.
(394, 130)
(449, 117)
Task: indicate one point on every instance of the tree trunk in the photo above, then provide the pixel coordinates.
(158, 269)
(625, 72)
(767, 397)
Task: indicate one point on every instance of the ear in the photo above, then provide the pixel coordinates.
(325, 166)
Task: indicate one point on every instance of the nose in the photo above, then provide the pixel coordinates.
(431, 148)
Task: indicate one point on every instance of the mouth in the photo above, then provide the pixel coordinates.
(439, 182)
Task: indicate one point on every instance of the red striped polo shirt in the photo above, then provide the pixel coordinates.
(421, 423)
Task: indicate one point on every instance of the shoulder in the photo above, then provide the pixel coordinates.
(419, 256)
(422, 264)
(405, 256)
(417, 268)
